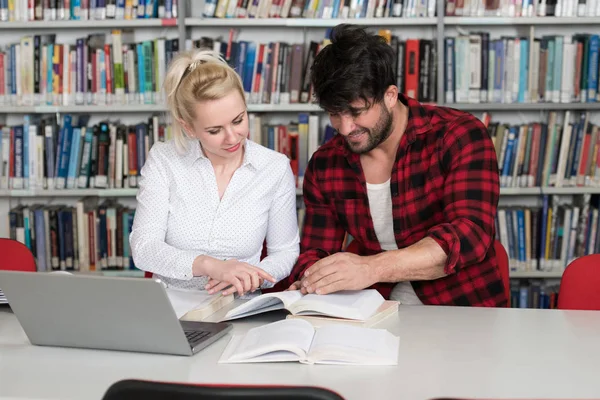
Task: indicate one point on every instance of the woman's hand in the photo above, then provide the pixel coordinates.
(235, 276)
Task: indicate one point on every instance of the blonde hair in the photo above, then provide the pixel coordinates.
(194, 76)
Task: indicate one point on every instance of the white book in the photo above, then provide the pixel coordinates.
(298, 341)
(351, 304)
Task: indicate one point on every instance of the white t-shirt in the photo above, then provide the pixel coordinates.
(380, 204)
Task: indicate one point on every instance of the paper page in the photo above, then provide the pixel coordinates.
(185, 300)
(351, 304)
(341, 344)
(264, 303)
(275, 356)
(291, 336)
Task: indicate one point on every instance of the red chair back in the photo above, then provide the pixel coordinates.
(504, 267)
(16, 256)
(579, 284)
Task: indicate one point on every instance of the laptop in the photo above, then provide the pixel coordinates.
(97, 312)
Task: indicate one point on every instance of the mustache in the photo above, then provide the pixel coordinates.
(358, 131)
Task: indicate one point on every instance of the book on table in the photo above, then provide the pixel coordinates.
(357, 305)
(296, 340)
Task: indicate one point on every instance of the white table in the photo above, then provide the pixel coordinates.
(444, 351)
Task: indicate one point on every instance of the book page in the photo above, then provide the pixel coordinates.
(264, 303)
(339, 344)
(185, 300)
(351, 304)
(273, 342)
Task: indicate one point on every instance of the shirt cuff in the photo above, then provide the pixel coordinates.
(444, 235)
(184, 268)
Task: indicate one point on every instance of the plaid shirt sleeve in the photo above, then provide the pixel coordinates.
(470, 195)
(322, 235)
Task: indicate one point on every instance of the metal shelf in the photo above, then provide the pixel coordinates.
(509, 21)
(146, 108)
(523, 106)
(306, 22)
(517, 191)
(535, 274)
(570, 190)
(90, 24)
(133, 108)
(69, 193)
(284, 108)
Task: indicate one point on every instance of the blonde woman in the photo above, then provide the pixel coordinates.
(209, 198)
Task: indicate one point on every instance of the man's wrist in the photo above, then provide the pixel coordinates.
(382, 266)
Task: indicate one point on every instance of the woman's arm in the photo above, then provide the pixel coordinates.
(282, 231)
(147, 239)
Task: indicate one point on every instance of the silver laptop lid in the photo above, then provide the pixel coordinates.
(94, 312)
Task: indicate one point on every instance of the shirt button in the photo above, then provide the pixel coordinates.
(395, 194)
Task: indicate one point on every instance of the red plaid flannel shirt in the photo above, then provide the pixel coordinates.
(444, 185)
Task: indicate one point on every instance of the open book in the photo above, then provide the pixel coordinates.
(297, 340)
(194, 304)
(351, 304)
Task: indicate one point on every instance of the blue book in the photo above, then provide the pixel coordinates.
(557, 79)
(592, 78)
(74, 159)
(65, 152)
(523, 70)
(521, 235)
(248, 65)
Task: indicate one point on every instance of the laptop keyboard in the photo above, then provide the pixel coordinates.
(196, 336)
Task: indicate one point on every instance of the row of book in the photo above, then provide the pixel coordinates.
(90, 236)
(548, 238)
(87, 237)
(523, 8)
(65, 10)
(43, 154)
(554, 153)
(323, 9)
(533, 293)
(279, 73)
(101, 69)
(556, 69)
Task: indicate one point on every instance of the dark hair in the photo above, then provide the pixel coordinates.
(356, 65)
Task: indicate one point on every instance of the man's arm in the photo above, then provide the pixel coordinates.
(321, 234)
(471, 194)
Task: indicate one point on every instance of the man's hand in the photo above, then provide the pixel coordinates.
(297, 286)
(340, 271)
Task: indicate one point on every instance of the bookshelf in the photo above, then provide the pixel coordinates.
(189, 22)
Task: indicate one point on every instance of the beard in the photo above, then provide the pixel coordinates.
(375, 136)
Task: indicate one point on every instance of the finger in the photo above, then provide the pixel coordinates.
(320, 274)
(211, 283)
(293, 286)
(303, 290)
(265, 275)
(237, 287)
(219, 287)
(255, 282)
(324, 282)
(332, 287)
(246, 280)
(321, 263)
